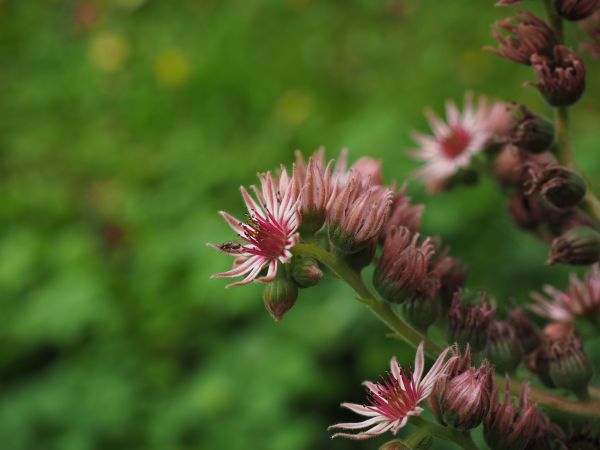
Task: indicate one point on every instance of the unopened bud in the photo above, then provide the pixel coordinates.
(561, 79)
(468, 323)
(421, 311)
(467, 396)
(279, 296)
(526, 210)
(362, 258)
(560, 187)
(503, 349)
(306, 271)
(579, 246)
(576, 9)
(510, 427)
(532, 133)
(570, 368)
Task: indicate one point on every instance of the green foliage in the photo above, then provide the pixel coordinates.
(121, 136)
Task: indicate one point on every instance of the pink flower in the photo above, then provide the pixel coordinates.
(454, 142)
(581, 300)
(394, 399)
(269, 233)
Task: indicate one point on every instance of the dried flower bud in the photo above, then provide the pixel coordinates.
(306, 271)
(467, 396)
(507, 427)
(422, 310)
(570, 368)
(527, 212)
(579, 246)
(527, 35)
(576, 9)
(279, 296)
(356, 214)
(561, 79)
(403, 268)
(531, 133)
(526, 332)
(503, 349)
(314, 183)
(468, 323)
(559, 186)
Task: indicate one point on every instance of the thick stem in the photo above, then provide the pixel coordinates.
(462, 439)
(381, 309)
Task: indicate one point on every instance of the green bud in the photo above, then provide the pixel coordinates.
(503, 349)
(533, 134)
(571, 370)
(421, 311)
(362, 258)
(306, 271)
(279, 296)
(580, 246)
(561, 187)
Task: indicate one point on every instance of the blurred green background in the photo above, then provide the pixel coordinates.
(125, 125)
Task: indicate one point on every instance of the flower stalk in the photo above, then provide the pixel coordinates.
(586, 408)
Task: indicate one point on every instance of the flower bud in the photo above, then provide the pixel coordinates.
(467, 397)
(527, 35)
(560, 187)
(279, 296)
(581, 438)
(538, 363)
(570, 368)
(362, 258)
(561, 79)
(503, 349)
(306, 271)
(421, 310)
(314, 182)
(533, 134)
(403, 269)
(356, 214)
(527, 212)
(424, 443)
(451, 275)
(507, 427)
(579, 246)
(526, 332)
(468, 323)
(576, 9)
(403, 213)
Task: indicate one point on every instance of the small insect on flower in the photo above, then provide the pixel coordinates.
(393, 400)
(269, 233)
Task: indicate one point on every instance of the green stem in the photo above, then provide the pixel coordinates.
(381, 309)
(462, 439)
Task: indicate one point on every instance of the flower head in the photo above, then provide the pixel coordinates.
(580, 300)
(394, 399)
(269, 232)
(561, 78)
(453, 142)
(527, 34)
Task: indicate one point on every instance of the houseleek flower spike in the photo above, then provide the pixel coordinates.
(356, 214)
(393, 400)
(576, 9)
(503, 349)
(280, 295)
(403, 267)
(510, 427)
(269, 233)
(522, 36)
(580, 301)
(468, 322)
(561, 78)
(454, 141)
(580, 246)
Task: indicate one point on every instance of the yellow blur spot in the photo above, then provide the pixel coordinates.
(172, 68)
(293, 107)
(109, 51)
